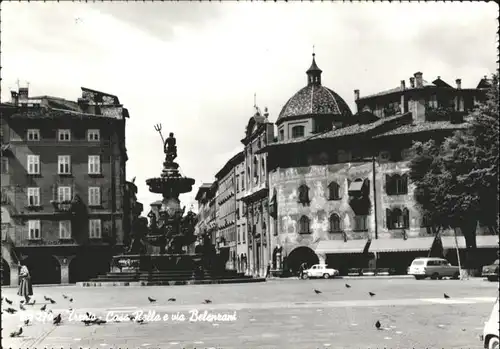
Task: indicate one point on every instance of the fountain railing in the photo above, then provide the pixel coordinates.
(155, 262)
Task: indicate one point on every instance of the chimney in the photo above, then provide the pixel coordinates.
(459, 83)
(266, 113)
(23, 93)
(412, 82)
(419, 80)
(403, 85)
(83, 103)
(356, 95)
(14, 97)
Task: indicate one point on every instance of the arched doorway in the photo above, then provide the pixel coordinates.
(5, 273)
(44, 269)
(301, 255)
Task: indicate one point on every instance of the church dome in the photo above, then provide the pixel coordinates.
(314, 99)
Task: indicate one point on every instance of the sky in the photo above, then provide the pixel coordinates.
(194, 67)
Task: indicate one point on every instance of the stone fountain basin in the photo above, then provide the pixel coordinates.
(162, 185)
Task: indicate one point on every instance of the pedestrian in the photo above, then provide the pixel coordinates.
(25, 287)
(301, 271)
(268, 274)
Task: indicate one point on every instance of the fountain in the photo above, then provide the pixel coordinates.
(156, 254)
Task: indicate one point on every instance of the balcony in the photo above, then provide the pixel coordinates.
(65, 206)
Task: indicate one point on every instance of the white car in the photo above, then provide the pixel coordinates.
(435, 268)
(490, 331)
(320, 271)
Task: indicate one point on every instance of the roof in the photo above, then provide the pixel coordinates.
(202, 189)
(398, 89)
(54, 113)
(231, 163)
(401, 245)
(314, 67)
(484, 82)
(314, 99)
(424, 127)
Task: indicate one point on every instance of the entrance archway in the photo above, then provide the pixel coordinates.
(44, 269)
(5, 273)
(301, 255)
(87, 266)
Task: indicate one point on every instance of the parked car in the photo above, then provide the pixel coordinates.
(490, 332)
(435, 268)
(491, 271)
(320, 271)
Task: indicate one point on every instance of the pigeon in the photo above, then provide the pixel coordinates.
(171, 299)
(378, 325)
(21, 306)
(87, 321)
(57, 319)
(70, 309)
(446, 296)
(43, 307)
(347, 286)
(371, 294)
(71, 300)
(100, 321)
(33, 303)
(131, 317)
(46, 298)
(64, 296)
(151, 300)
(140, 321)
(27, 322)
(11, 310)
(52, 301)
(207, 301)
(317, 291)
(21, 301)
(17, 333)
(8, 300)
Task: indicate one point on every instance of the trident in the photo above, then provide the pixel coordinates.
(158, 129)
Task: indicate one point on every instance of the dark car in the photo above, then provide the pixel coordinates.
(491, 271)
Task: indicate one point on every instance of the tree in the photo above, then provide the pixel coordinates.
(457, 181)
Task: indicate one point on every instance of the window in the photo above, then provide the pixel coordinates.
(95, 229)
(396, 184)
(237, 183)
(93, 135)
(298, 131)
(34, 230)
(33, 196)
(243, 180)
(304, 225)
(263, 168)
(64, 135)
(335, 223)
(64, 164)
(244, 233)
(65, 230)
(255, 169)
(33, 164)
(397, 219)
(63, 194)
(33, 135)
(360, 223)
(282, 135)
(94, 196)
(303, 194)
(334, 191)
(238, 234)
(5, 165)
(94, 164)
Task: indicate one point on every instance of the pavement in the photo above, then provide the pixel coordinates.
(275, 314)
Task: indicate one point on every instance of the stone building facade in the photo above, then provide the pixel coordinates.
(339, 191)
(226, 211)
(241, 220)
(63, 184)
(259, 133)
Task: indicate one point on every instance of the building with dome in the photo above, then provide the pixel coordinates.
(338, 182)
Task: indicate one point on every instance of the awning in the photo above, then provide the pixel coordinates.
(401, 245)
(482, 241)
(339, 246)
(356, 186)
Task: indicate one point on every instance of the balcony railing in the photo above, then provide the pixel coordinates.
(63, 206)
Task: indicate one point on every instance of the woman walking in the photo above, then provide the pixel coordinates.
(25, 286)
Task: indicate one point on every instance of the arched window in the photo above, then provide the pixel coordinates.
(304, 194)
(249, 176)
(304, 225)
(397, 219)
(298, 131)
(396, 184)
(334, 191)
(263, 169)
(335, 223)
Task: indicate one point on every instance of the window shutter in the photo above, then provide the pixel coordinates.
(406, 218)
(388, 218)
(404, 179)
(388, 184)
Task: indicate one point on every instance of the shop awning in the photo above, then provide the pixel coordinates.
(401, 245)
(339, 246)
(482, 241)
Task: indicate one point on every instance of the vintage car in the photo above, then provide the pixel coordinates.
(491, 271)
(435, 268)
(320, 271)
(490, 332)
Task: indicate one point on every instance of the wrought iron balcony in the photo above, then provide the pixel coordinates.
(63, 206)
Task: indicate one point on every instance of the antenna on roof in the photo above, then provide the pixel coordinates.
(313, 51)
(17, 83)
(255, 100)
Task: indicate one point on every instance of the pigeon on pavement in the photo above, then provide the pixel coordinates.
(446, 296)
(151, 300)
(378, 325)
(371, 294)
(317, 291)
(347, 286)
(17, 333)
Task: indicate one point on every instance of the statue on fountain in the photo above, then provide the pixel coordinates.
(169, 148)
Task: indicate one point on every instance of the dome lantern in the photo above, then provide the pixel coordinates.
(314, 73)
